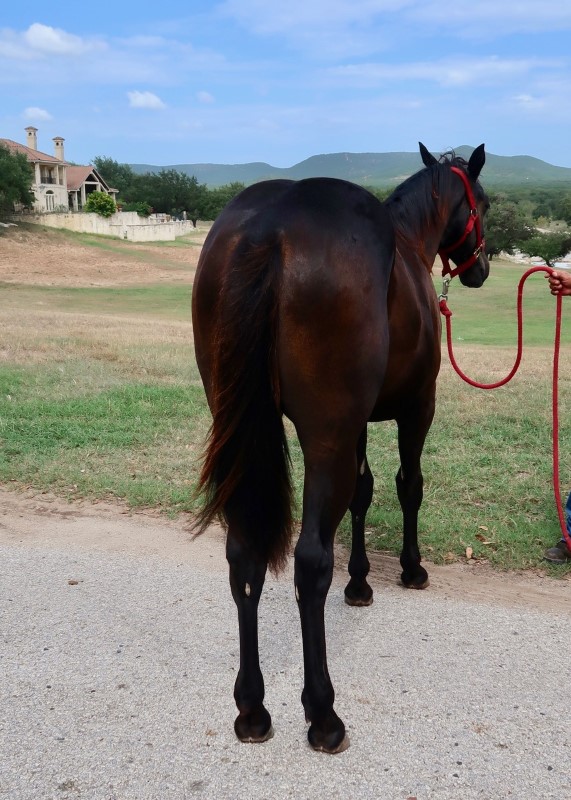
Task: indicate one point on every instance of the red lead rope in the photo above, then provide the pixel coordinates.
(555, 397)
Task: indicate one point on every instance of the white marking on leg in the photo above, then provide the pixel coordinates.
(248, 590)
(362, 467)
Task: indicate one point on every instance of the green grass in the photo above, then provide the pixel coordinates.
(133, 441)
(487, 316)
(110, 404)
(165, 301)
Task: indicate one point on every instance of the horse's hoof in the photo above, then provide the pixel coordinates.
(359, 602)
(358, 595)
(258, 739)
(329, 737)
(331, 747)
(339, 749)
(418, 581)
(254, 727)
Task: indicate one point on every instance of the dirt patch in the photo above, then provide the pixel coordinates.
(41, 520)
(54, 258)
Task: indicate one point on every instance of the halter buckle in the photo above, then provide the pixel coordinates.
(445, 284)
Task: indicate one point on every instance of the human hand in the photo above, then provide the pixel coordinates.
(559, 283)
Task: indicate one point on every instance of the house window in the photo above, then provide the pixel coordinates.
(50, 201)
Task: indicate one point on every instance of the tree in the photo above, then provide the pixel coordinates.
(548, 246)
(16, 176)
(563, 208)
(117, 176)
(380, 194)
(177, 192)
(100, 203)
(506, 226)
(216, 199)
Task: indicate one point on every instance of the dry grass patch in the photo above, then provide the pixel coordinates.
(100, 396)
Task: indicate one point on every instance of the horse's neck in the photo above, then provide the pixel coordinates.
(419, 225)
(422, 241)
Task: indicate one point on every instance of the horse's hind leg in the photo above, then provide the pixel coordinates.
(247, 575)
(412, 429)
(329, 483)
(358, 592)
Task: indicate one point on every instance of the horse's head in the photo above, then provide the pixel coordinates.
(463, 238)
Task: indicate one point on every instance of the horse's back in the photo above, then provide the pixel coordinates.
(330, 245)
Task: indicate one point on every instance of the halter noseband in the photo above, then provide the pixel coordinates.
(473, 223)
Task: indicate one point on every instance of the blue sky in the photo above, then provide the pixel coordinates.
(231, 81)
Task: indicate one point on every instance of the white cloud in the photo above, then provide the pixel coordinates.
(38, 114)
(12, 47)
(205, 97)
(529, 102)
(145, 100)
(322, 29)
(448, 73)
(263, 17)
(52, 40)
(329, 28)
(145, 42)
(267, 18)
(43, 41)
(493, 18)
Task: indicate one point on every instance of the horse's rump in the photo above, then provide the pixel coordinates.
(291, 283)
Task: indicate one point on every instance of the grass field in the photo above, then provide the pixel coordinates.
(100, 397)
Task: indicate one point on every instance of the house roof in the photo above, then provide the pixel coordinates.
(31, 155)
(76, 176)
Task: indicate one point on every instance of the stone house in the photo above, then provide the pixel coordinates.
(57, 185)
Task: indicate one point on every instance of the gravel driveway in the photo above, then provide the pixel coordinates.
(119, 653)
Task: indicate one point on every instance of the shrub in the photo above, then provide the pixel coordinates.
(143, 209)
(100, 203)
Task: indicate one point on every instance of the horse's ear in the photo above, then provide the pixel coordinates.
(427, 158)
(476, 162)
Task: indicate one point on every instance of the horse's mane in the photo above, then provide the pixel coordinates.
(411, 205)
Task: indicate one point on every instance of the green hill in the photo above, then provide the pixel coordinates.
(371, 169)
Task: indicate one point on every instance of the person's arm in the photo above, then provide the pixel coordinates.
(560, 283)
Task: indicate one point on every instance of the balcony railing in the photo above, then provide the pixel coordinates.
(48, 179)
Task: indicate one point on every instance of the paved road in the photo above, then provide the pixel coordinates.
(118, 656)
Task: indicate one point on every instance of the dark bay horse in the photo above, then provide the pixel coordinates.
(314, 300)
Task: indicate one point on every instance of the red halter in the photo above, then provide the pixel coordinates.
(473, 223)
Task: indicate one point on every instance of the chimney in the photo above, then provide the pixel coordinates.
(58, 147)
(31, 137)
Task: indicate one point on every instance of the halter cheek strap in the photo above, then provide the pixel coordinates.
(472, 224)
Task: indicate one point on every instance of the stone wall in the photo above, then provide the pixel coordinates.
(122, 225)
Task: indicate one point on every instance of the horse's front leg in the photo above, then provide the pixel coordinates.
(358, 592)
(327, 491)
(247, 575)
(412, 429)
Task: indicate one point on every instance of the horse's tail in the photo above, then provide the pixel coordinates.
(246, 470)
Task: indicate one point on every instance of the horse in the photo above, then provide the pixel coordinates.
(314, 301)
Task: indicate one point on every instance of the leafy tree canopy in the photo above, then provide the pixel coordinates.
(168, 191)
(216, 199)
(548, 246)
(506, 225)
(16, 176)
(118, 176)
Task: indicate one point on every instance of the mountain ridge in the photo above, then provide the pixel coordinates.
(382, 170)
